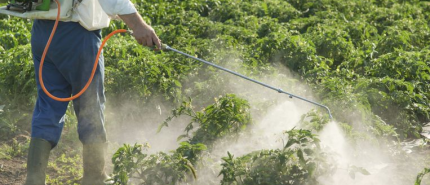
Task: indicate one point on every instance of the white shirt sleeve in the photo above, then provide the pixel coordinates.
(117, 7)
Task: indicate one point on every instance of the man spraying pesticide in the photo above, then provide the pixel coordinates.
(66, 69)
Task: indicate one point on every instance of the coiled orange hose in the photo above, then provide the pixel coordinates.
(92, 72)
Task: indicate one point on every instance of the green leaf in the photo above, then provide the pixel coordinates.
(421, 175)
(177, 83)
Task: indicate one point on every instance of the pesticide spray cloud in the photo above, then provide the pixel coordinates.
(358, 161)
(138, 123)
(283, 114)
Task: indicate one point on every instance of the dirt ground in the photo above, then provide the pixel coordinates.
(13, 168)
(12, 172)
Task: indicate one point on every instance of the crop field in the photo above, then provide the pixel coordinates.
(174, 120)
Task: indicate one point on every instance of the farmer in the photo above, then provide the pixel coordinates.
(66, 70)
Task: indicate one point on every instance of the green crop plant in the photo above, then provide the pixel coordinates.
(320, 40)
(339, 48)
(314, 120)
(300, 161)
(14, 149)
(228, 115)
(67, 168)
(132, 165)
(17, 89)
(421, 175)
(225, 118)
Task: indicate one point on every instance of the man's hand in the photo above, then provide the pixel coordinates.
(142, 32)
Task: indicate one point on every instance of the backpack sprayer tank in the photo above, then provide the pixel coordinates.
(28, 5)
(38, 9)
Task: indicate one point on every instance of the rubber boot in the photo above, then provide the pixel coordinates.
(94, 164)
(37, 161)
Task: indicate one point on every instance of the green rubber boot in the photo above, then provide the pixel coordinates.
(37, 161)
(44, 6)
(94, 164)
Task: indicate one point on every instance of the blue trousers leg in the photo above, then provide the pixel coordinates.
(66, 70)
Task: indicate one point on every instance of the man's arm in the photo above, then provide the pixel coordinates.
(142, 32)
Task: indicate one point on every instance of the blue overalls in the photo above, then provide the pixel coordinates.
(66, 70)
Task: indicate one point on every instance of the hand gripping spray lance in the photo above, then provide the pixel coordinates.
(164, 47)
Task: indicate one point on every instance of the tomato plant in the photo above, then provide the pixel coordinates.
(300, 161)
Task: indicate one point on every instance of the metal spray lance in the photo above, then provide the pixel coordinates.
(166, 47)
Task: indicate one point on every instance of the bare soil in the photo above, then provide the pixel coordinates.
(13, 171)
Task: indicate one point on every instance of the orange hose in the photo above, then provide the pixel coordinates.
(95, 63)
